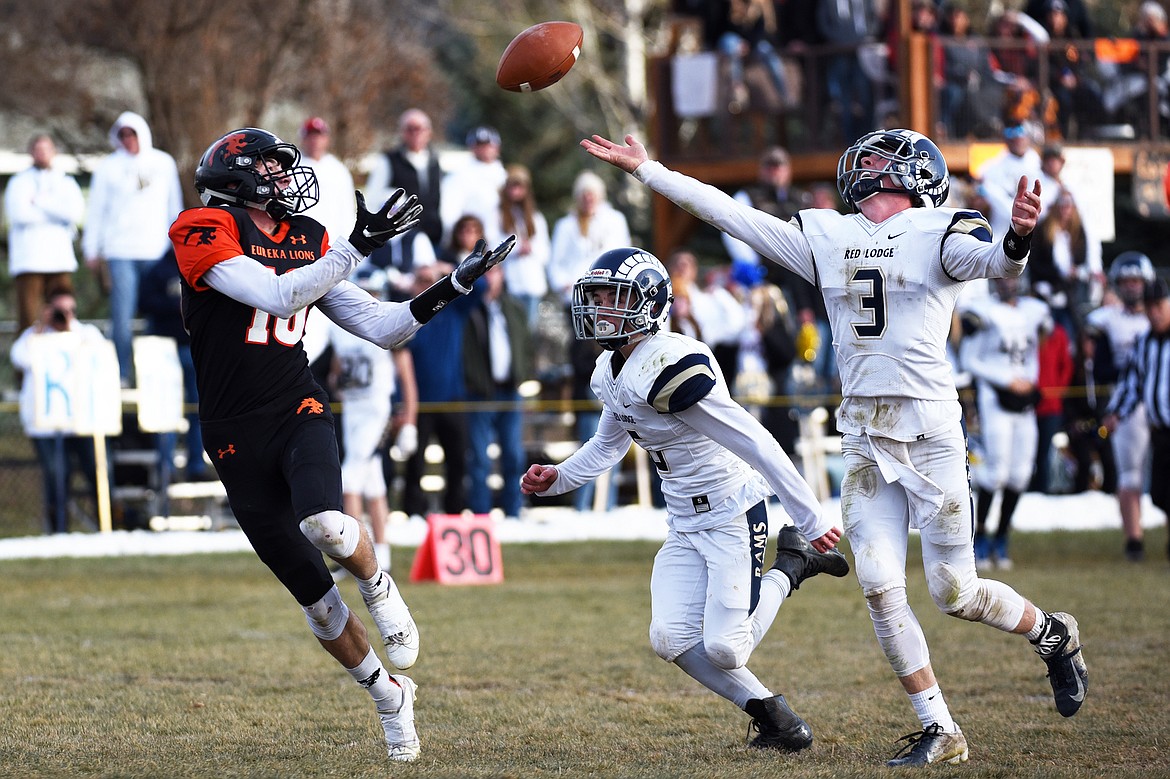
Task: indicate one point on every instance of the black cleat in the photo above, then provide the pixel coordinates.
(930, 745)
(778, 726)
(1060, 649)
(797, 559)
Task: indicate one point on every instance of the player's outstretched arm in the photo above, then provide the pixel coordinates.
(627, 157)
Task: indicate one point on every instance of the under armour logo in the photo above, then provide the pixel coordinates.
(205, 234)
(313, 405)
(297, 240)
(231, 449)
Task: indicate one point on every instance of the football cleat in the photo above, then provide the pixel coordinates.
(778, 726)
(402, 742)
(930, 745)
(1060, 649)
(798, 560)
(395, 626)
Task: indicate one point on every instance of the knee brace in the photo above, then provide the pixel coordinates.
(725, 655)
(666, 644)
(328, 616)
(334, 533)
(973, 599)
(898, 631)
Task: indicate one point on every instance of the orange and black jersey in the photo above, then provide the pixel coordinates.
(244, 357)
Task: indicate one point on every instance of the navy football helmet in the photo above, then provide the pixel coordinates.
(641, 298)
(252, 167)
(914, 166)
(1131, 265)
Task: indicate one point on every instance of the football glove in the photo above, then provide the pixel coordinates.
(407, 441)
(372, 230)
(480, 261)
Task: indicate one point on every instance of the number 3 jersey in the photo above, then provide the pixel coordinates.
(244, 357)
(890, 290)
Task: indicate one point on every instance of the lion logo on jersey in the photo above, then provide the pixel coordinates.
(312, 405)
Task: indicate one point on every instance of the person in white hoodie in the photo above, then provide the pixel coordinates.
(133, 199)
(43, 206)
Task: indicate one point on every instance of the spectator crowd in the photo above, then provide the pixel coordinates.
(1039, 358)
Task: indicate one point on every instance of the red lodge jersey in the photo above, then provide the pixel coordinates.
(244, 357)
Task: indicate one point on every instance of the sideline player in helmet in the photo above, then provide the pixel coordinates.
(1001, 349)
(251, 267)
(712, 601)
(890, 274)
(1114, 330)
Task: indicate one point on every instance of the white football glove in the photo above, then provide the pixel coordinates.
(407, 441)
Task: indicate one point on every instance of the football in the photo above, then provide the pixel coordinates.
(540, 56)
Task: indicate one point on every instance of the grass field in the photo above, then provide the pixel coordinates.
(202, 666)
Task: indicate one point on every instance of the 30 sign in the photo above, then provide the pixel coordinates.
(459, 549)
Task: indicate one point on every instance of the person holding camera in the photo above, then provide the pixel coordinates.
(60, 456)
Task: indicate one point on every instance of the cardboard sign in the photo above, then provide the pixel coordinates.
(76, 386)
(160, 385)
(459, 550)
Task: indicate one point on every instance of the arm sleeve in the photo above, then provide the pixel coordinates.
(772, 238)
(596, 456)
(723, 420)
(251, 283)
(736, 249)
(355, 310)
(969, 251)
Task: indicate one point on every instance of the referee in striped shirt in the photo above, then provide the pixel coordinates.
(1146, 379)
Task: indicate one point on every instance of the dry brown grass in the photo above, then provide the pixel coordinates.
(202, 666)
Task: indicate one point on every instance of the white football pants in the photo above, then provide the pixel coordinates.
(876, 518)
(1009, 445)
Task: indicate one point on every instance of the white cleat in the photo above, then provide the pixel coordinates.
(395, 626)
(402, 742)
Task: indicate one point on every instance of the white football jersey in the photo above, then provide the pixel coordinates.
(716, 460)
(367, 370)
(889, 289)
(1005, 342)
(1121, 327)
(667, 373)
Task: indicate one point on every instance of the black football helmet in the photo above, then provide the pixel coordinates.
(642, 298)
(236, 171)
(914, 165)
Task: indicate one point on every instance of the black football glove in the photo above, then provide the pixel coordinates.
(480, 260)
(373, 230)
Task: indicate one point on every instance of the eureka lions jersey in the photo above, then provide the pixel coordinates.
(665, 374)
(244, 357)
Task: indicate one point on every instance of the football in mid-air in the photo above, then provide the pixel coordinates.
(540, 56)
